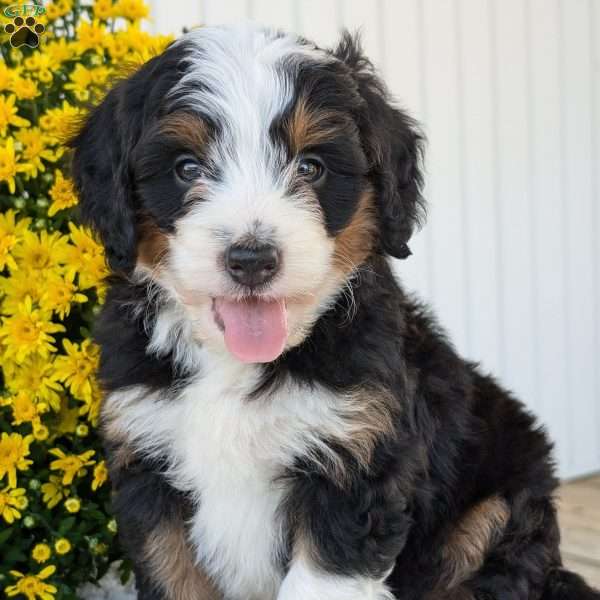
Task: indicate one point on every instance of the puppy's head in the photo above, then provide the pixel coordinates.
(249, 174)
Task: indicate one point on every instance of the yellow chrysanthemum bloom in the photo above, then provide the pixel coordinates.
(40, 431)
(17, 287)
(68, 419)
(91, 406)
(25, 89)
(34, 150)
(41, 553)
(117, 45)
(11, 231)
(62, 193)
(61, 293)
(81, 80)
(53, 491)
(24, 409)
(100, 475)
(90, 36)
(73, 505)
(41, 66)
(33, 586)
(60, 50)
(62, 546)
(28, 331)
(8, 114)
(14, 448)
(9, 504)
(71, 465)
(103, 9)
(134, 10)
(36, 376)
(6, 77)
(76, 369)
(9, 165)
(41, 252)
(86, 257)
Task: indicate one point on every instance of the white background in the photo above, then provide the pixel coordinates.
(508, 92)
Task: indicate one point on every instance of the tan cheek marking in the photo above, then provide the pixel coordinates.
(153, 245)
(356, 241)
(173, 567)
(475, 535)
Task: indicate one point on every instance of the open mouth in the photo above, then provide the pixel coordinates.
(255, 329)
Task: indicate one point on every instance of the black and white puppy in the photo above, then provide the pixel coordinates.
(281, 420)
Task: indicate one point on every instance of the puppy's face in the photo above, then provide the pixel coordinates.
(251, 181)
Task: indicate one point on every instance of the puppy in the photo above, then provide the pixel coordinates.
(281, 420)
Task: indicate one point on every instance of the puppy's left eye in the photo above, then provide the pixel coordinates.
(311, 169)
(188, 169)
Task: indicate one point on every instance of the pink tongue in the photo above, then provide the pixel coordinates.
(255, 330)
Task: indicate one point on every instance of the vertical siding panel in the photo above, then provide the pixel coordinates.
(218, 12)
(595, 161)
(173, 16)
(279, 15)
(579, 241)
(445, 185)
(404, 74)
(513, 198)
(318, 20)
(547, 207)
(478, 168)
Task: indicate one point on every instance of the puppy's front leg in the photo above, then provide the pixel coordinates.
(307, 581)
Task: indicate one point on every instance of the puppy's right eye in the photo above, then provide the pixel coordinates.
(188, 169)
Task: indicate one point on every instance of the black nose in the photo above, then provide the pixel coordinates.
(252, 265)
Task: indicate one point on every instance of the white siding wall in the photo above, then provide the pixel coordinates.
(509, 95)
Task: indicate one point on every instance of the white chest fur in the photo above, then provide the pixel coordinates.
(228, 451)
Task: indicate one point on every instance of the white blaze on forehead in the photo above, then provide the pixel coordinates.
(243, 78)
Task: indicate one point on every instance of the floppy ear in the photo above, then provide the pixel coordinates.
(394, 148)
(101, 175)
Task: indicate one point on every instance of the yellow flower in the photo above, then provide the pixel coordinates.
(73, 505)
(33, 586)
(100, 475)
(131, 9)
(62, 193)
(34, 150)
(9, 165)
(8, 114)
(60, 294)
(17, 287)
(117, 45)
(40, 432)
(71, 464)
(60, 50)
(76, 369)
(36, 375)
(9, 503)
(24, 409)
(25, 89)
(11, 231)
(6, 76)
(61, 123)
(81, 82)
(41, 66)
(41, 553)
(28, 332)
(62, 546)
(86, 257)
(41, 252)
(13, 450)
(90, 35)
(68, 419)
(53, 491)
(103, 9)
